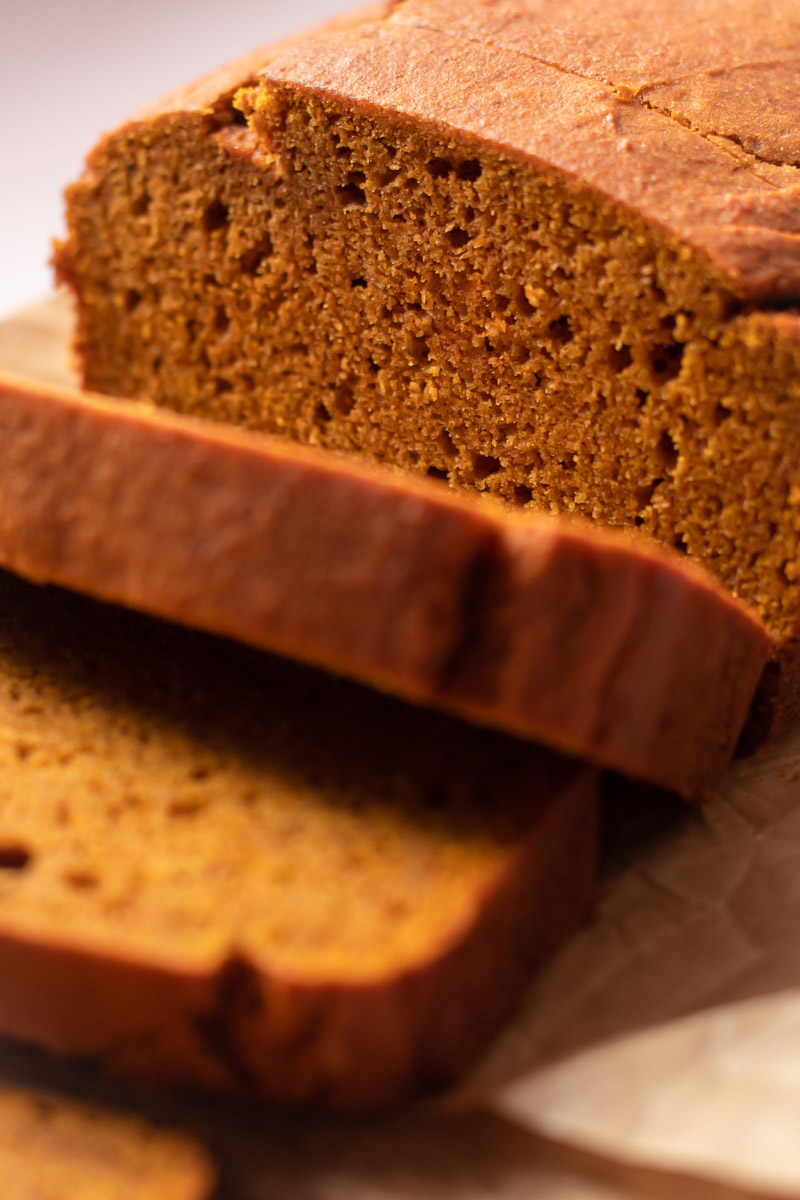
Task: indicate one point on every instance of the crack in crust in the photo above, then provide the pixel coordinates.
(716, 136)
(623, 92)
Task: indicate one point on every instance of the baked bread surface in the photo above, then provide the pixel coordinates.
(529, 248)
(593, 643)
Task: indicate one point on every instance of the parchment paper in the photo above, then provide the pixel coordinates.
(701, 908)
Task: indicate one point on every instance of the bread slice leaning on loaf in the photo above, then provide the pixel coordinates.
(457, 239)
(592, 643)
(223, 869)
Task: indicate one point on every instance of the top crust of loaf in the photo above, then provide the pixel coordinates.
(687, 114)
(696, 133)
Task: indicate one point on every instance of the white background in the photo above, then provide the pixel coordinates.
(71, 69)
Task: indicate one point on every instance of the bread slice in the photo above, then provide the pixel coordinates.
(54, 1149)
(589, 642)
(537, 250)
(223, 869)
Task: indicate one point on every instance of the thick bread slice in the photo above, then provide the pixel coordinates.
(534, 248)
(54, 1149)
(223, 869)
(590, 642)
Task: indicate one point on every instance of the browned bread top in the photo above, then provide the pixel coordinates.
(589, 641)
(686, 114)
(722, 68)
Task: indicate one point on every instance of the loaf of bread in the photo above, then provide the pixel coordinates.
(590, 642)
(545, 250)
(54, 1149)
(223, 869)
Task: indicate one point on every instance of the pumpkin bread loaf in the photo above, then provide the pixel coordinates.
(54, 1149)
(550, 251)
(222, 869)
(590, 642)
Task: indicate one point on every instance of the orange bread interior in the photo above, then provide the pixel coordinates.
(220, 868)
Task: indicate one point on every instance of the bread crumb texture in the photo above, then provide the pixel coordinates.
(53, 1149)
(220, 867)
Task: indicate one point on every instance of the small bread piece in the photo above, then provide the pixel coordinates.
(55, 1149)
(536, 248)
(224, 869)
(587, 641)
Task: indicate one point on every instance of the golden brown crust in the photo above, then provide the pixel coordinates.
(646, 117)
(633, 105)
(696, 59)
(583, 639)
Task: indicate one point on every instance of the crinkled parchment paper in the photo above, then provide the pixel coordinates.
(701, 915)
